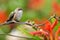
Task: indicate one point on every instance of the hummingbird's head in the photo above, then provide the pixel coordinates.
(18, 10)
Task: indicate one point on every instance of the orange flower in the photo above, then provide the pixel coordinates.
(47, 30)
(3, 16)
(56, 34)
(34, 4)
(56, 7)
(47, 26)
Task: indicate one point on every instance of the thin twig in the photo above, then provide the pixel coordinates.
(11, 22)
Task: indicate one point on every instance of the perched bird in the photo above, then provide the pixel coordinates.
(15, 16)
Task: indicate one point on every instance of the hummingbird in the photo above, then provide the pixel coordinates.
(14, 16)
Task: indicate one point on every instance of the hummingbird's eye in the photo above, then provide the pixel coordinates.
(19, 9)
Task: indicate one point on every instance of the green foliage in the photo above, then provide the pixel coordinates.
(58, 1)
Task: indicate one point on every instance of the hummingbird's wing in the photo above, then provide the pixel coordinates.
(10, 18)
